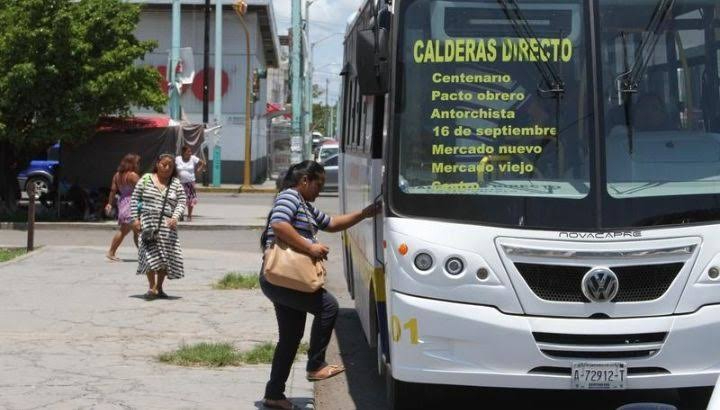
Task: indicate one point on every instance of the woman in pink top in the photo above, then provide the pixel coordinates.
(123, 184)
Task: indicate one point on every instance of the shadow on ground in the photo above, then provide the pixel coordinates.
(366, 388)
(142, 297)
(302, 403)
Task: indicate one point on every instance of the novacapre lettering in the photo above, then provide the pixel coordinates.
(600, 235)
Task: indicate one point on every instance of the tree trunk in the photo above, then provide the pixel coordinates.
(9, 191)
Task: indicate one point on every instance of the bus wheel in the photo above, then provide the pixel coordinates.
(380, 356)
(694, 397)
(402, 395)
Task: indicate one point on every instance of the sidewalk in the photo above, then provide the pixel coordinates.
(210, 216)
(75, 333)
(267, 187)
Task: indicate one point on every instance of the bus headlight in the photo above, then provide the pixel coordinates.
(423, 261)
(454, 266)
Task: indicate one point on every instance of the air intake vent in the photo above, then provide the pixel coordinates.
(562, 283)
(599, 340)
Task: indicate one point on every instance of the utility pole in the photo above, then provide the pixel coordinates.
(296, 138)
(241, 8)
(206, 83)
(206, 64)
(308, 84)
(174, 60)
(217, 93)
(328, 111)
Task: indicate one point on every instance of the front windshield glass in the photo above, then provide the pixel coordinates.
(662, 117)
(493, 112)
(494, 99)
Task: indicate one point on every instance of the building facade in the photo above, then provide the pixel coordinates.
(156, 24)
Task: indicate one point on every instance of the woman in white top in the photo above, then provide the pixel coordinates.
(187, 166)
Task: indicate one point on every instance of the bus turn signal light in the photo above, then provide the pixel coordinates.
(403, 249)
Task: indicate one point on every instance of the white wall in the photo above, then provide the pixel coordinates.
(156, 25)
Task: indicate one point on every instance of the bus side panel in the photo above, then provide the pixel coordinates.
(361, 188)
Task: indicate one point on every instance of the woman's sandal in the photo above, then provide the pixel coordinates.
(284, 404)
(112, 258)
(150, 295)
(162, 295)
(325, 373)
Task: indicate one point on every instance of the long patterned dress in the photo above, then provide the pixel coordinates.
(145, 203)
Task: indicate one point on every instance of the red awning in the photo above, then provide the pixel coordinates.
(131, 123)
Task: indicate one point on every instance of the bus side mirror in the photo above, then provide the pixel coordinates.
(372, 61)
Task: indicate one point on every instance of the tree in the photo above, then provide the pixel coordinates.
(320, 118)
(65, 64)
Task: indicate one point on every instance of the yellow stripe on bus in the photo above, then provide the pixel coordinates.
(367, 270)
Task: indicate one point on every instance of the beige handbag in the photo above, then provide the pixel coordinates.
(286, 267)
(293, 270)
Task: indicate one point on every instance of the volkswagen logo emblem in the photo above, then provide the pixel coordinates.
(600, 285)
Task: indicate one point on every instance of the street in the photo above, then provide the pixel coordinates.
(218, 250)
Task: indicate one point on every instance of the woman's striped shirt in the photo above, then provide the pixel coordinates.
(288, 207)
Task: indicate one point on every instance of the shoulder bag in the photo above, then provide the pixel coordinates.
(288, 268)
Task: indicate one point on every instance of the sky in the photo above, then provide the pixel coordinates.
(327, 26)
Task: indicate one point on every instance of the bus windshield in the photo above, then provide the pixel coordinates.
(496, 113)
(661, 110)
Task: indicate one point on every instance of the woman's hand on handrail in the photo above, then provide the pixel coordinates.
(341, 222)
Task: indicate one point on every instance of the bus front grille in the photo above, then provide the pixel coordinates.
(562, 283)
(602, 346)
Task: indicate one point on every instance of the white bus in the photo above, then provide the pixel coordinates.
(551, 178)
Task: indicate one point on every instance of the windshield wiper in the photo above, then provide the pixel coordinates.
(629, 81)
(554, 83)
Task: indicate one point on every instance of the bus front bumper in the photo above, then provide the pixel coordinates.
(471, 345)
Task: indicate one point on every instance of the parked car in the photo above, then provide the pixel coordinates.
(327, 150)
(331, 173)
(40, 173)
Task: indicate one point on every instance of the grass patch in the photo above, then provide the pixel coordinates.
(236, 280)
(204, 354)
(7, 254)
(222, 354)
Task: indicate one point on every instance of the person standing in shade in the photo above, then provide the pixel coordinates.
(122, 186)
(188, 165)
(156, 205)
(295, 221)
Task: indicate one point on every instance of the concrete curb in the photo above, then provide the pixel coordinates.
(59, 226)
(238, 190)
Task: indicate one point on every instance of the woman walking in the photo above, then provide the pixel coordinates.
(295, 221)
(156, 205)
(188, 165)
(123, 183)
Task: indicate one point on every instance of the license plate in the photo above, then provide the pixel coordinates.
(599, 376)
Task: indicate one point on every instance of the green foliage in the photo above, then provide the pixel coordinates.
(320, 117)
(66, 63)
(262, 353)
(7, 254)
(222, 354)
(204, 354)
(236, 280)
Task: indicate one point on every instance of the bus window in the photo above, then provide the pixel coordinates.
(662, 135)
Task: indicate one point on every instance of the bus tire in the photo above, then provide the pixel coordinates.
(402, 395)
(380, 356)
(694, 397)
(349, 274)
